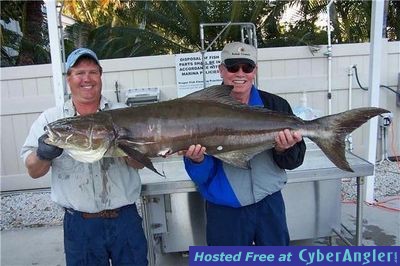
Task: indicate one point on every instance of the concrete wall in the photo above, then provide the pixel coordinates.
(26, 91)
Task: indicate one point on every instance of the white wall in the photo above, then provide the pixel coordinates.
(26, 91)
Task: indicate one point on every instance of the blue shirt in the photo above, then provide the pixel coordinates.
(209, 175)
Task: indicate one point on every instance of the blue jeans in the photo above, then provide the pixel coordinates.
(97, 241)
(260, 224)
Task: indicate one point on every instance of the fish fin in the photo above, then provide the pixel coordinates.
(222, 94)
(216, 93)
(232, 158)
(341, 124)
(140, 157)
(240, 158)
(335, 151)
(212, 92)
(115, 151)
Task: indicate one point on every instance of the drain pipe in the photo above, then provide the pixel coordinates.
(329, 55)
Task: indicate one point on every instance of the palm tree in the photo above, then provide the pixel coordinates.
(160, 27)
(31, 44)
(351, 19)
(124, 28)
(393, 18)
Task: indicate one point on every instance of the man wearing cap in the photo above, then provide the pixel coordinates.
(245, 207)
(101, 222)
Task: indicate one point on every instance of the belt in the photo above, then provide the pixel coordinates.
(107, 214)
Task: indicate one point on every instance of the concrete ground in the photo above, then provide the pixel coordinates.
(381, 223)
(44, 245)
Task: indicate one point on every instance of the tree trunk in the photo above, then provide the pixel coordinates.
(31, 27)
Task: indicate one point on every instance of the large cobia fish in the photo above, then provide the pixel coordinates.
(230, 131)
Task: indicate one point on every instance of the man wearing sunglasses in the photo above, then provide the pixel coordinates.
(245, 207)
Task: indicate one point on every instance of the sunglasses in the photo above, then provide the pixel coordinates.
(246, 68)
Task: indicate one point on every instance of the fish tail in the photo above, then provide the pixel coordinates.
(331, 132)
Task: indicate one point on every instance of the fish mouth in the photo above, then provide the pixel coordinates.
(51, 135)
(54, 138)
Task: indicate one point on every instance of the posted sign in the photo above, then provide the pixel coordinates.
(189, 71)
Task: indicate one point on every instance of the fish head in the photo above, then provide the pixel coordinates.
(88, 137)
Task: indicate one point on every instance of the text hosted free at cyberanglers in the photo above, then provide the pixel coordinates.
(332, 255)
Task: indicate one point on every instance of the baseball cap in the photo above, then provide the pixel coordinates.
(76, 54)
(238, 52)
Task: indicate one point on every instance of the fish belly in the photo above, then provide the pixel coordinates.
(89, 156)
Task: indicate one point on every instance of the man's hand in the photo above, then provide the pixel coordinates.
(194, 153)
(286, 139)
(46, 151)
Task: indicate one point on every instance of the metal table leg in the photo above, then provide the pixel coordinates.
(147, 231)
(359, 211)
(359, 215)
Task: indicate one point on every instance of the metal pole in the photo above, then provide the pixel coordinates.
(147, 231)
(350, 84)
(374, 81)
(61, 32)
(329, 54)
(202, 54)
(347, 242)
(203, 51)
(349, 138)
(359, 210)
(55, 52)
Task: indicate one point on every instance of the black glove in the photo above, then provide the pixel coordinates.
(46, 151)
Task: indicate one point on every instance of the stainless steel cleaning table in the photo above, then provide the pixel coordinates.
(173, 210)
